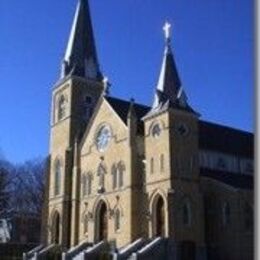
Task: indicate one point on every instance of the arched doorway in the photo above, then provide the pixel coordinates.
(101, 222)
(56, 228)
(159, 217)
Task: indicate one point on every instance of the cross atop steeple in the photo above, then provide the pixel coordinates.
(169, 90)
(167, 31)
(80, 57)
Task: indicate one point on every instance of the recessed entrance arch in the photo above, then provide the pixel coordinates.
(55, 228)
(158, 217)
(101, 221)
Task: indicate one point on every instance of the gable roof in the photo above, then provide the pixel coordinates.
(211, 136)
(239, 181)
(122, 108)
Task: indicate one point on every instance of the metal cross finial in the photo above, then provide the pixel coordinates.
(167, 31)
(106, 84)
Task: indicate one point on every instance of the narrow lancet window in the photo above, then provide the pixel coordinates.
(57, 181)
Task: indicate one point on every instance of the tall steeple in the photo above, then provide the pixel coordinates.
(169, 88)
(81, 57)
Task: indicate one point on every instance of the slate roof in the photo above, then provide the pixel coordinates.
(122, 108)
(225, 139)
(211, 136)
(240, 181)
(81, 56)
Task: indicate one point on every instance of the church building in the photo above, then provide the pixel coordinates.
(121, 172)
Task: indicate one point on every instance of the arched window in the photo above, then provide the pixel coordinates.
(152, 165)
(114, 176)
(57, 181)
(226, 214)
(121, 170)
(162, 162)
(117, 220)
(61, 107)
(86, 184)
(85, 222)
(248, 216)
(186, 214)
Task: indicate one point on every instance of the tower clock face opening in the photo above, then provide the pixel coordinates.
(103, 138)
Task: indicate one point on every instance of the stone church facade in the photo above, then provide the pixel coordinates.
(119, 171)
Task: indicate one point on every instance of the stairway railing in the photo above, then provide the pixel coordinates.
(69, 255)
(30, 254)
(128, 250)
(156, 249)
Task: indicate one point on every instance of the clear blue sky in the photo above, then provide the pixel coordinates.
(212, 40)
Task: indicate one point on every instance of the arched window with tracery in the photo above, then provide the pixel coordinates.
(186, 213)
(117, 220)
(57, 177)
(226, 214)
(121, 171)
(114, 176)
(61, 107)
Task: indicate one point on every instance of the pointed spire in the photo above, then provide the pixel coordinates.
(169, 83)
(81, 57)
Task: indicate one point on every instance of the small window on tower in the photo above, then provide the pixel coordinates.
(61, 107)
(88, 106)
(57, 178)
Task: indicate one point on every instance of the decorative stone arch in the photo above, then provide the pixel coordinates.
(101, 218)
(158, 208)
(55, 226)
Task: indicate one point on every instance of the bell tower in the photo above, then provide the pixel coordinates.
(171, 154)
(74, 98)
